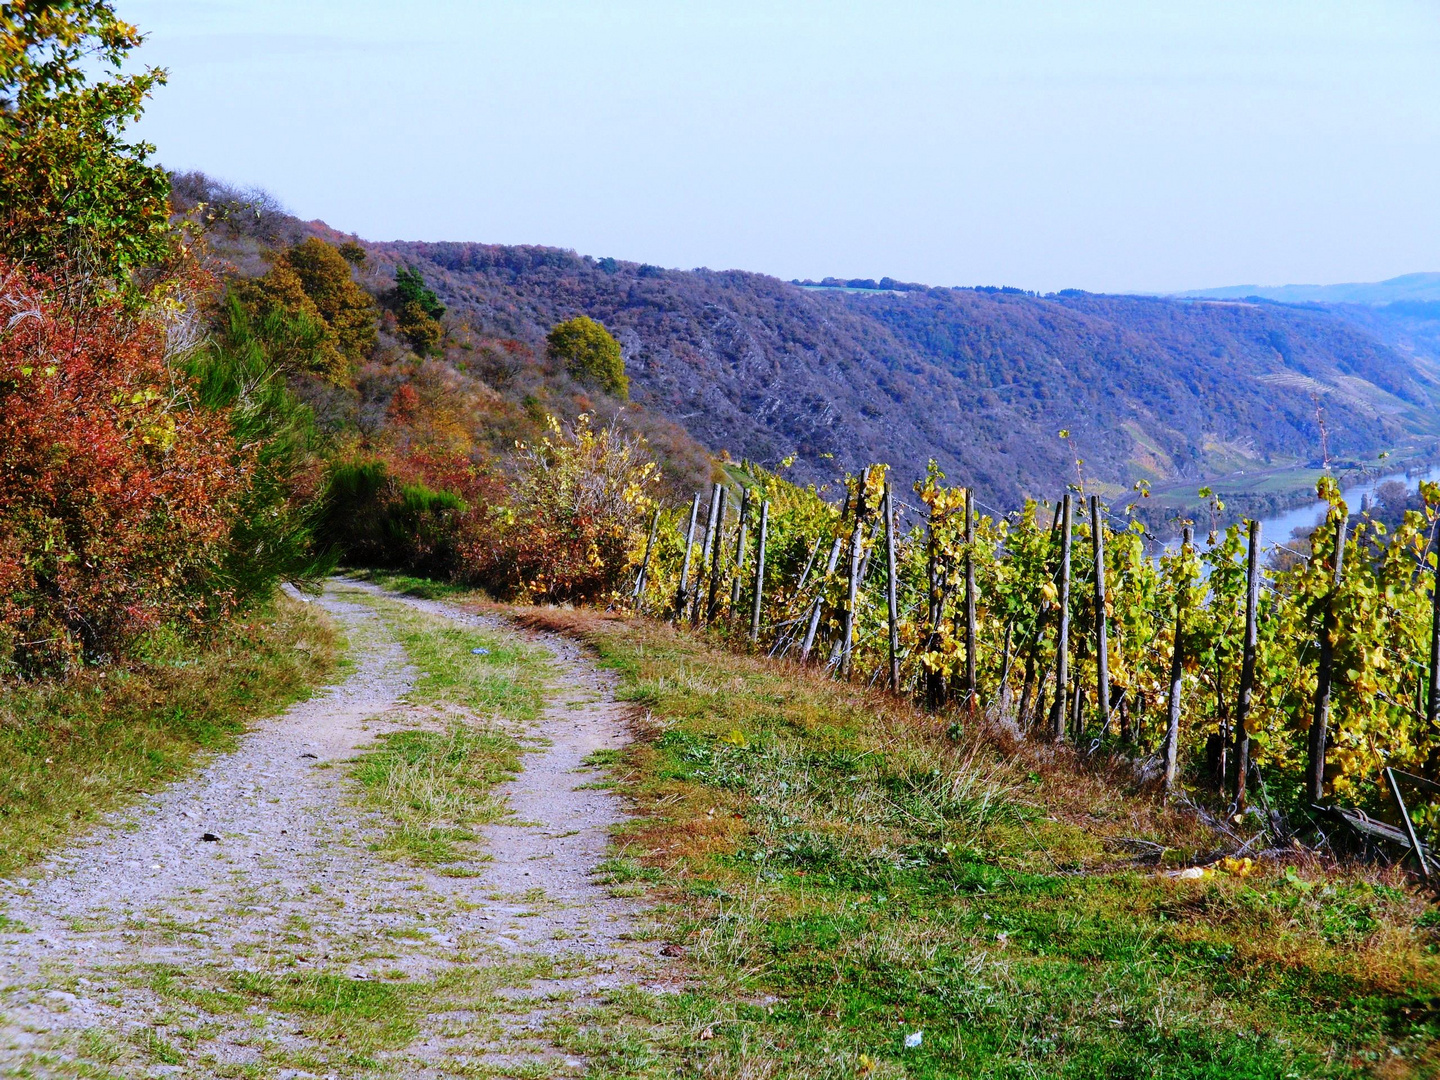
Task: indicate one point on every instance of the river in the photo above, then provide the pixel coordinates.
(1278, 528)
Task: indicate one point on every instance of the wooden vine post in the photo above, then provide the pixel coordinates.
(1102, 642)
(852, 585)
(682, 596)
(715, 497)
(759, 573)
(1432, 700)
(934, 679)
(1062, 644)
(819, 604)
(1177, 669)
(1325, 675)
(809, 565)
(737, 582)
(645, 562)
(717, 560)
(972, 690)
(1247, 665)
(890, 597)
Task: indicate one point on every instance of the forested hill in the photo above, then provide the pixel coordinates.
(981, 379)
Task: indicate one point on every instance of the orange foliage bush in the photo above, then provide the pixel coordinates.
(115, 490)
(573, 519)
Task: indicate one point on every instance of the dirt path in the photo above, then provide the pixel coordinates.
(289, 947)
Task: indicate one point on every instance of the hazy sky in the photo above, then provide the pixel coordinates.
(1108, 146)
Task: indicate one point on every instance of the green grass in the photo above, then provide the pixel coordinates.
(424, 588)
(432, 786)
(72, 750)
(843, 874)
(345, 1021)
(366, 1014)
(507, 682)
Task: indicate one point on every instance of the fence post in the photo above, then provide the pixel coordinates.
(819, 602)
(890, 597)
(695, 603)
(809, 565)
(934, 680)
(717, 560)
(1432, 702)
(1247, 665)
(683, 595)
(1062, 644)
(1102, 642)
(1177, 671)
(737, 582)
(1415, 848)
(971, 679)
(1324, 677)
(852, 588)
(759, 573)
(645, 562)
(1007, 657)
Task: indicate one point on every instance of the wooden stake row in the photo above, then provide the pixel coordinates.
(1066, 703)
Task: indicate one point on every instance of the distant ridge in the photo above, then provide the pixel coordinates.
(1012, 392)
(831, 375)
(1406, 287)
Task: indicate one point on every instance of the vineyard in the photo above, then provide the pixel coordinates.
(1247, 678)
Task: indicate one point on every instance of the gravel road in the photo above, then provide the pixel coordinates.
(145, 950)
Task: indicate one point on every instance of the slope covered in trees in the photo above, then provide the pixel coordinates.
(980, 379)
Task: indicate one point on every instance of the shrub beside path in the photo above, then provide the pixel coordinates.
(293, 945)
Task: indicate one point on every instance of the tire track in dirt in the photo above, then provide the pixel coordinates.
(135, 952)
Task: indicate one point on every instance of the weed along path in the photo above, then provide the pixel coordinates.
(395, 877)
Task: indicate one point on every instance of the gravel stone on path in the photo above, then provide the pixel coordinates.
(97, 937)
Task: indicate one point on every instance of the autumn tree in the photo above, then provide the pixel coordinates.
(417, 310)
(70, 182)
(591, 355)
(310, 286)
(352, 253)
(347, 309)
(117, 488)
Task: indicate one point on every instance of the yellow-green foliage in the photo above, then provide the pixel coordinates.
(70, 185)
(310, 283)
(591, 354)
(1380, 637)
(575, 520)
(347, 309)
(801, 524)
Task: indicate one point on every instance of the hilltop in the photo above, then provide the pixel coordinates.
(1407, 288)
(833, 376)
(981, 379)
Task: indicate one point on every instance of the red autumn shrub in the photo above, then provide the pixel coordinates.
(115, 489)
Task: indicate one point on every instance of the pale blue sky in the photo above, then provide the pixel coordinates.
(1108, 146)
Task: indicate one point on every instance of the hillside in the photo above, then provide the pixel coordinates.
(1407, 288)
(983, 380)
(838, 375)
(1401, 312)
